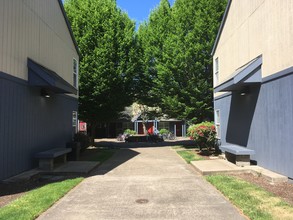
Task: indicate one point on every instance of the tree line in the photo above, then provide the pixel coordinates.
(165, 63)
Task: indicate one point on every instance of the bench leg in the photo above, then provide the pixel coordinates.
(239, 160)
(243, 160)
(64, 158)
(46, 164)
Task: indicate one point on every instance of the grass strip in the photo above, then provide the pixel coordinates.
(101, 155)
(186, 147)
(254, 201)
(189, 155)
(35, 202)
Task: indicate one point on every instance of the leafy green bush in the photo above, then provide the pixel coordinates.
(129, 132)
(164, 131)
(83, 139)
(204, 134)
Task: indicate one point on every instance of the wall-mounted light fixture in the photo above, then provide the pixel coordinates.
(244, 91)
(44, 93)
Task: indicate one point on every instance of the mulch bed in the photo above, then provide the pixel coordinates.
(283, 190)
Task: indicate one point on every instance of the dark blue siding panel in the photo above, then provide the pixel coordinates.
(262, 121)
(30, 123)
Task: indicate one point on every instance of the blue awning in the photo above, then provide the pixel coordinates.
(249, 74)
(42, 77)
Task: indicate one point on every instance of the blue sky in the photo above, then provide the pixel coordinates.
(138, 10)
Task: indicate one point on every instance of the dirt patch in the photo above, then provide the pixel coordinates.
(13, 190)
(5, 199)
(282, 190)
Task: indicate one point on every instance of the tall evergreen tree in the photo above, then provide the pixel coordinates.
(152, 35)
(108, 66)
(183, 81)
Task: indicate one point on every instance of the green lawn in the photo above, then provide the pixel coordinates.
(255, 202)
(33, 203)
(189, 155)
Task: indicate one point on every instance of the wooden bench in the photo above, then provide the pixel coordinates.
(46, 158)
(237, 154)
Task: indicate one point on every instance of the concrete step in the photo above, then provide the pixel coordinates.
(271, 176)
(22, 177)
(220, 166)
(70, 167)
(217, 166)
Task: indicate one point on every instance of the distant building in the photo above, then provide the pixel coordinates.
(132, 118)
(176, 127)
(38, 82)
(253, 80)
(113, 129)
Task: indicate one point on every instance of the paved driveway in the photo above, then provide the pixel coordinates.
(144, 183)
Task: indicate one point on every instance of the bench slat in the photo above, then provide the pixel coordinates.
(236, 149)
(53, 153)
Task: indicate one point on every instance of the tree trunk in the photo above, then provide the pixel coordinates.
(144, 128)
(93, 130)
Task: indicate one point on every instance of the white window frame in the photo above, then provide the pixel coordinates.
(164, 125)
(216, 71)
(74, 119)
(75, 72)
(218, 123)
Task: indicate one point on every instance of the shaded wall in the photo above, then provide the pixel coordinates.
(263, 123)
(242, 110)
(30, 123)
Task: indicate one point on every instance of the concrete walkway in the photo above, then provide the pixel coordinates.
(144, 183)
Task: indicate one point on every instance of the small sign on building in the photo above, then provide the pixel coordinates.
(82, 126)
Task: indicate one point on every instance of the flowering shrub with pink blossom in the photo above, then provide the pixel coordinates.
(204, 134)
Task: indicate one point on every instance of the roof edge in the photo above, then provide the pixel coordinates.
(221, 27)
(51, 78)
(242, 74)
(69, 27)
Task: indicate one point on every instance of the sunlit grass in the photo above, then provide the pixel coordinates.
(254, 201)
(189, 155)
(33, 203)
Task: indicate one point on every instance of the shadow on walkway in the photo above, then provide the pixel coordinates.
(12, 190)
(119, 158)
(126, 153)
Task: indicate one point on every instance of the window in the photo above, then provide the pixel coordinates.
(75, 73)
(216, 71)
(217, 123)
(164, 125)
(74, 119)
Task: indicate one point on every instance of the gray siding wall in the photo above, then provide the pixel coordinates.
(263, 121)
(30, 123)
